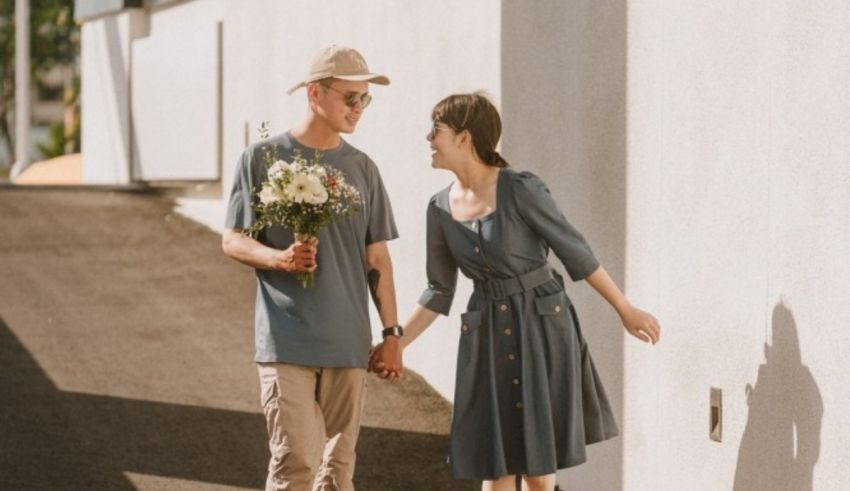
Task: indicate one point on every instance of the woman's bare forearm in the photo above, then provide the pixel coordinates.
(601, 281)
(419, 320)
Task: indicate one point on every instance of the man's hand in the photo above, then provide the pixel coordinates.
(386, 359)
(300, 257)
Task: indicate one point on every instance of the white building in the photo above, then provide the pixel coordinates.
(702, 147)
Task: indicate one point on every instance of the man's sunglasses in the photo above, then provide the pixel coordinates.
(352, 98)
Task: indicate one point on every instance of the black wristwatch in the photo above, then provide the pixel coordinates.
(395, 330)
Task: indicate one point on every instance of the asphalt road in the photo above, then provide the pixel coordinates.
(126, 345)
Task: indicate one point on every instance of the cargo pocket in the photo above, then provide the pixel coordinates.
(556, 304)
(555, 319)
(269, 390)
(468, 348)
(470, 321)
(269, 395)
(468, 354)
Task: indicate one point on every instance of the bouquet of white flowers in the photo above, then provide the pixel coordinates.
(304, 196)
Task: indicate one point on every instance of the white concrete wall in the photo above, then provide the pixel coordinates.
(176, 97)
(105, 96)
(738, 233)
(427, 54)
(564, 97)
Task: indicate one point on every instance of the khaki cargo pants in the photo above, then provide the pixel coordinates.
(313, 419)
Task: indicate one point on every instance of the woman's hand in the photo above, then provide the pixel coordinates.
(386, 359)
(641, 325)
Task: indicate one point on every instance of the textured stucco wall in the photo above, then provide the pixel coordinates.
(738, 231)
(563, 92)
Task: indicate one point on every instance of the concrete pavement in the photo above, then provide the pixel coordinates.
(126, 358)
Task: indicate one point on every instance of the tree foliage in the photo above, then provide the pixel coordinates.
(54, 42)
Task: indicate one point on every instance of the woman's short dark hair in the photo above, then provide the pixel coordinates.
(477, 115)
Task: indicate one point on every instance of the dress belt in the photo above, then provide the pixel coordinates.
(497, 289)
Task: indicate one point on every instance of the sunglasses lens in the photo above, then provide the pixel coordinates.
(353, 99)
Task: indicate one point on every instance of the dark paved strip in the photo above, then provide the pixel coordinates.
(126, 347)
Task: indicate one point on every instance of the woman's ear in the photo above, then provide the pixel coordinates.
(464, 138)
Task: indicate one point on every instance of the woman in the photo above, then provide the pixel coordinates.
(527, 397)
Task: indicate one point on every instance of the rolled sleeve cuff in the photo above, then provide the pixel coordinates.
(391, 235)
(436, 301)
(582, 270)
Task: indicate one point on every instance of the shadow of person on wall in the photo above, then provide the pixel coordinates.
(781, 441)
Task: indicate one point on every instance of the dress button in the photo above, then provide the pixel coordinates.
(464, 328)
(508, 331)
(512, 357)
(557, 308)
(519, 405)
(516, 381)
(503, 307)
(477, 249)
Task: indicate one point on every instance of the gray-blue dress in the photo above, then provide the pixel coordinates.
(527, 397)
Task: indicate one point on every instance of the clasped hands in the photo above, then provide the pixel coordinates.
(385, 359)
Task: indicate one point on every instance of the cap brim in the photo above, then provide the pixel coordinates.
(372, 78)
(296, 87)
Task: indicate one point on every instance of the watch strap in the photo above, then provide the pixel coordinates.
(395, 330)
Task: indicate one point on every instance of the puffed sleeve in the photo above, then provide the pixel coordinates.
(539, 210)
(440, 266)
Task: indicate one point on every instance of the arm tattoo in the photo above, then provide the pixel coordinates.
(374, 277)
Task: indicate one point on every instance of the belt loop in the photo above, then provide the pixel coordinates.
(498, 290)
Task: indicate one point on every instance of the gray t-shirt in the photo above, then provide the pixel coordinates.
(327, 325)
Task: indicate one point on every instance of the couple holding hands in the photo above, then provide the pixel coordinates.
(528, 398)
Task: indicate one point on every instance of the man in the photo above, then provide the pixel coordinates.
(312, 345)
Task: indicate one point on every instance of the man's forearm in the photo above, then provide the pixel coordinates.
(382, 288)
(248, 251)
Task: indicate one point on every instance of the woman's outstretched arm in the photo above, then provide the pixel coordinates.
(637, 322)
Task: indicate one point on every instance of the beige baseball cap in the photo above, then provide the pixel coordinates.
(343, 63)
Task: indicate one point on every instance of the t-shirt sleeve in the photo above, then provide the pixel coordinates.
(540, 211)
(240, 209)
(440, 266)
(381, 223)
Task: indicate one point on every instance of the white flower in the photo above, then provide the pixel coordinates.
(306, 188)
(320, 197)
(278, 168)
(319, 171)
(268, 195)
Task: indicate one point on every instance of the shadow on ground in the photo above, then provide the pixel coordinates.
(125, 351)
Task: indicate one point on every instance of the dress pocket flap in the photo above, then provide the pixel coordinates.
(470, 321)
(552, 304)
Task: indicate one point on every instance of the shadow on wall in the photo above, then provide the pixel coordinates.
(781, 442)
(564, 116)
